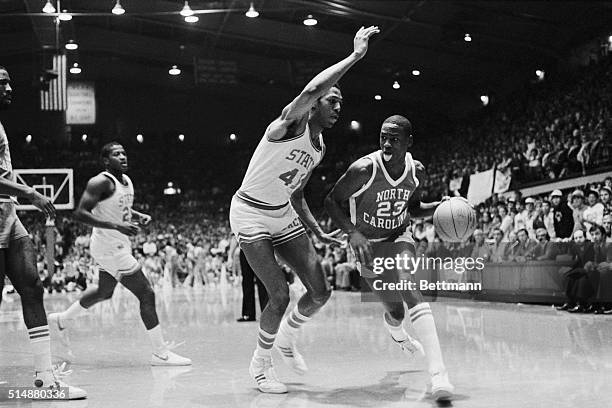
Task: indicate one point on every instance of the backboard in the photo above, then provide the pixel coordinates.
(55, 184)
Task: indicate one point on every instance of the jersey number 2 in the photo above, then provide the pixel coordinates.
(384, 208)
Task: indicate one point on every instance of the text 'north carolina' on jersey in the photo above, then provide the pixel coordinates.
(380, 208)
(278, 168)
(117, 208)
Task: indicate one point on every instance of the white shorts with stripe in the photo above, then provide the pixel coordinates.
(116, 261)
(251, 224)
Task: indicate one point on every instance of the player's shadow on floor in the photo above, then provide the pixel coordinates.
(387, 390)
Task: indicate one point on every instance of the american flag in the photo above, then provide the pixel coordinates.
(56, 98)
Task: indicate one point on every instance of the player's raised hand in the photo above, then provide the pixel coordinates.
(127, 228)
(360, 43)
(43, 204)
(362, 247)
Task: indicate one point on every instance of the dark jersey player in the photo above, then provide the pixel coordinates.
(380, 189)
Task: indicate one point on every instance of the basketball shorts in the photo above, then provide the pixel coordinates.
(251, 224)
(117, 260)
(387, 249)
(11, 228)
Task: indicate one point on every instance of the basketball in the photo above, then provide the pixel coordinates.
(455, 220)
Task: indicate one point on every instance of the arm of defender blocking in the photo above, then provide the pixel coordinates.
(297, 111)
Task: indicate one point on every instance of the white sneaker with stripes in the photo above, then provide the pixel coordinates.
(263, 373)
(289, 352)
(51, 381)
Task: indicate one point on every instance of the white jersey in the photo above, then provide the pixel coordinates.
(6, 167)
(278, 168)
(116, 208)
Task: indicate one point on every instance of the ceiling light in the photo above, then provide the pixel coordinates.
(174, 70)
(484, 99)
(65, 16)
(396, 85)
(71, 45)
(233, 137)
(139, 138)
(355, 125)
(75, 69)
(186, 11)
(181, 137)
(377, 97)
(118, 10)
(192, 19)
(416, 72)
(28, 138)
(540, 74)
(251, 12)
(84, 138)
(310, 21)
(48, 9)
(467, 37)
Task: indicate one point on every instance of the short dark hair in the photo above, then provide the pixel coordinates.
(2, 67)
(599, 228)
(400, 121)
(107, 148)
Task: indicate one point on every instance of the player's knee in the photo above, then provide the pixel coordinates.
(321, 297)
(279, 300)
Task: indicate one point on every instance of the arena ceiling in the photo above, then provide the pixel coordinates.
(276, 51)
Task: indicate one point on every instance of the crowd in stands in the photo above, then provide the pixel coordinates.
(554, 132)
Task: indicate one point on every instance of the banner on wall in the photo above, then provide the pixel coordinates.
(502, 181)
(481, 187)
(81, 104)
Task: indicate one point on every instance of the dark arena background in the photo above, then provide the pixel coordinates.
(510, 104)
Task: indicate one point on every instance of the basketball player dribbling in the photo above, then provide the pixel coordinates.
(380, 189)
(18, 261)
(267, 212)
(106, 205)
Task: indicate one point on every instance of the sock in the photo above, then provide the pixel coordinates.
(73, 311)
(265, 341)
(41, 347)
(292, 323)
(157, 340)
(425, 327)
(397, 332)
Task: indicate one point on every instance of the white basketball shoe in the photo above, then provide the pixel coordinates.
(411, 346)
(51, 381)
(441, 388)
(165, 357)
(262, 371)
(286, 346)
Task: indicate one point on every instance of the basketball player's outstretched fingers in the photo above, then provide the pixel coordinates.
(360, 42)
